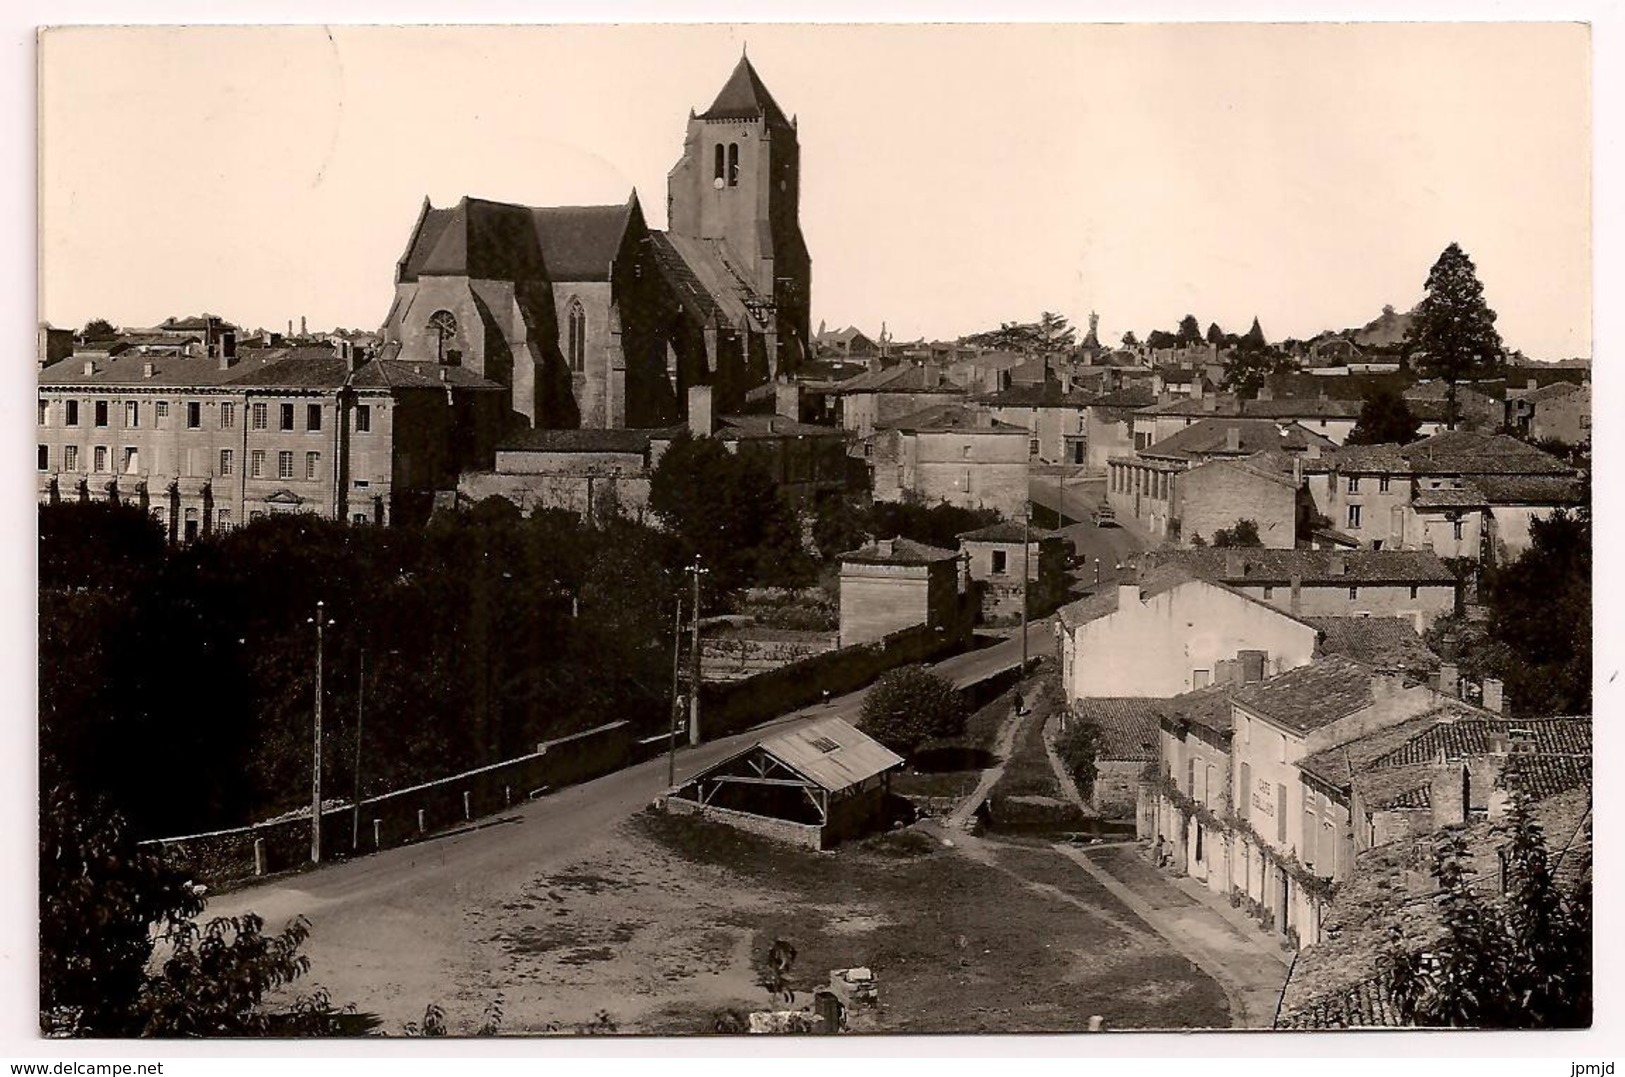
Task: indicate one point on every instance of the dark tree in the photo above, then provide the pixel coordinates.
(1190, 331)
(105, 903)
(910, 706)
(1130, 340)
(98, 329)
(725, 508)
(1079, 747)
(1161, 339)
(840, 524)
(1254, 340)
(1518, 960)
(1054, 332)
(1452, 334)
(938, 525)
(1247, 370)
(1385, 418)
(1540, 614)
(1215, 335)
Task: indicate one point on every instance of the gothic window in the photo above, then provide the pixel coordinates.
(720, 173)
(577, 319)
(443, 326)
(733, 164)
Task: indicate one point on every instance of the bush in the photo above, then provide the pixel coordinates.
(910, 706)
(1078, 748)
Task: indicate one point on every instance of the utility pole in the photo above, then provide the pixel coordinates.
(694, 679)
(676, 692)
(355, 801)
(321, 622)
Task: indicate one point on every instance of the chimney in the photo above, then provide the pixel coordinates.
(1232, 439)
(1494, 695)
(228, 344)
(1497, 738)
(1227, 671)
(930, 374)
(1297, 470)
(1314, 450)
(1127, 594)
(1448, 646)
(701, 422)
(1234, 567)
(1197, 391)
(290, 327)
(1296, 583)
(1252, 665)
(1266, 393)
(90, 367)
(302, 325)
(148, 368)
(1449, 794)
(1336, 565)
(874, 365)
(787, 400)
(1449, 680)
(885, 546)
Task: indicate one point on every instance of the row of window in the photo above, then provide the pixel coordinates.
(1354, 484)
(130, 462)
(259, 414)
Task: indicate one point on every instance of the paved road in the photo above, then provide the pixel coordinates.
(1077, 501)
(385, 928)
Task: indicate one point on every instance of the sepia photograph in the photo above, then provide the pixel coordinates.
(818, 529)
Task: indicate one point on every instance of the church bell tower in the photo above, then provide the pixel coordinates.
(738, 185)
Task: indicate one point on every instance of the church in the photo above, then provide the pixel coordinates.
(590, 318)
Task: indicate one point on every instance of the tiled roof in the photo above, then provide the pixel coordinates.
(1104, 602)
(899, 551)
(1128, 726)
(942, 418)
(1007, 531)
(1389, 644)
(1211, 436)
(1313, 567)
(1462, 452)
(902, 378)
(1288, 408)
(1386, 459)
(1337, 983)
(1553, 391)
(1341, 764)
(1529, 489)
(1127, 398)
(1312, 696)
(1465, 497)
(1541, 776)
(744, 97)
(685, 284)
(1269, 464)
(1470, 736)
(1208, 707)
(1038, 395)
(750, 427)
(398, 374)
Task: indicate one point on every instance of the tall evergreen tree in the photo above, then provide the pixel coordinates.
(1453, 330)
(1190, 331)
(1215, 335)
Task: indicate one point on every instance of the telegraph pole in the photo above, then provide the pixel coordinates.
(321, 622)
(694, 679)
(676, 692)
(355, 801)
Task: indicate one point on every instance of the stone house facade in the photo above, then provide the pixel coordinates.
(893, 584)
(955, 454)
(994, 560)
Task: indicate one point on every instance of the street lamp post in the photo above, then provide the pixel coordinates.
(321, 622)
(694, 679)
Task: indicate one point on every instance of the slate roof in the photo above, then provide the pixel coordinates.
(745, 97)
(899, 551)
(1314, 567)
(1128, 726)
(1310, 697)
(489, 240)
(750, 427)
(943, 418)
(1462, 452)
(1388, 644)
(1210, 437)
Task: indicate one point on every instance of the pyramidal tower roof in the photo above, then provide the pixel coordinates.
(744, 97)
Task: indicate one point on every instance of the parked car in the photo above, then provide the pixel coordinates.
(1105, 516)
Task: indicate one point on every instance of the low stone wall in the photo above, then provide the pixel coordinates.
(1117, 788)
(803, 834)
(401, 816)
(743, 653)
(737, 705)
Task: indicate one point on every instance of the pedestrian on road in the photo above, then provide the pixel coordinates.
(826, 697)
(1019, 708)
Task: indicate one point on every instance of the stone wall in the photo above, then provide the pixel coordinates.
(230, 855)
(803, 834)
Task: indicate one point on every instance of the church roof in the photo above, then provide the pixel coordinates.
(502, 241)
(743, 97)
(707, 262)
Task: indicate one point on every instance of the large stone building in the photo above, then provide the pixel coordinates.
(589, 317)
(206, 443)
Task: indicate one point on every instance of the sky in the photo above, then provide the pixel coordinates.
(953, 177)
